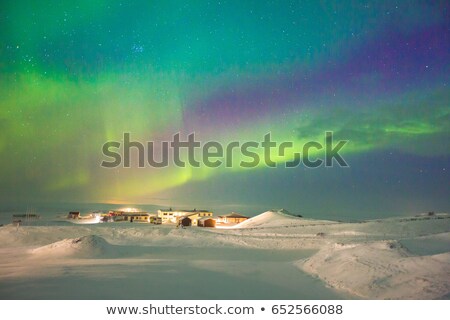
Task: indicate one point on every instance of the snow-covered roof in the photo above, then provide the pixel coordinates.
(232, 215)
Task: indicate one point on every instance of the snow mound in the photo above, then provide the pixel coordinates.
(276, 218)
(83, 247)
(381, 270)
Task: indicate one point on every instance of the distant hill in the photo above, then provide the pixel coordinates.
(278, 218)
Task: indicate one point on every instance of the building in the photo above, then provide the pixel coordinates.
(133, 216)
(155, 219)
(73, 215)
(207, 222)
(231, 218)
(173, 216)
(139, 217)
(193, 217)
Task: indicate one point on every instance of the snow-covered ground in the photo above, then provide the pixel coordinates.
(381, 270)
(272, 256)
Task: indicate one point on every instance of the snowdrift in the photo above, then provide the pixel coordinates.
(84, 247)
(381, 270)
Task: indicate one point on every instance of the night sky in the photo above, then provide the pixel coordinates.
(75, 74)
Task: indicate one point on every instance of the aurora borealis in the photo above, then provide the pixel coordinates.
(77, 74)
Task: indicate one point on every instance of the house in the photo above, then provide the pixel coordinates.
(133, 217)
(231, 218)
(173, 216)
(139, 217)
(193, 217)
(207, 222)
(73, 215)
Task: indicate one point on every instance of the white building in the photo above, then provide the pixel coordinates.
(172, 216)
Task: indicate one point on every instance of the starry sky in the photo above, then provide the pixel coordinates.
(76, 74)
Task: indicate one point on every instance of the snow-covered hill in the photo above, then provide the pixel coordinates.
(278, 218)
(381, 270)
(83, 247)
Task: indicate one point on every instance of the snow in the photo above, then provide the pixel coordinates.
(90, 219)
(82, 247)
(274, 255)
(381, 270)
(278, 218)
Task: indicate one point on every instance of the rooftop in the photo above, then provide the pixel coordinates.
(232, 215)
(183, 210)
